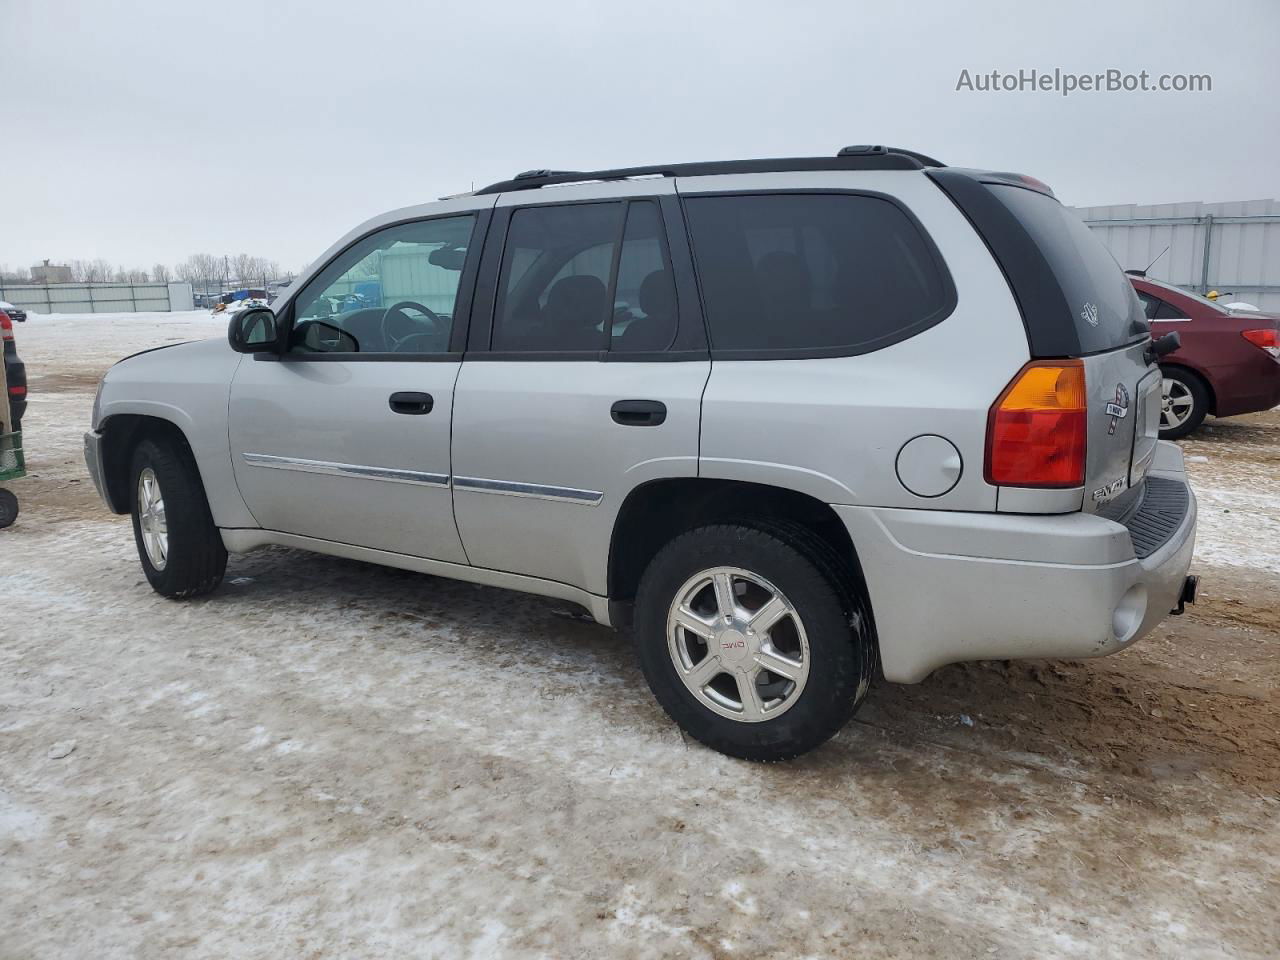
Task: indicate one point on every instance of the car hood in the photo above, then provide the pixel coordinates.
(187, 347)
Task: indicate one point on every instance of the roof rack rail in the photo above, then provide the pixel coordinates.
(865, 157)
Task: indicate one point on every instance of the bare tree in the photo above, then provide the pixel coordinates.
(200, 268)
(90, 271)
(161, 273)
(244, 267)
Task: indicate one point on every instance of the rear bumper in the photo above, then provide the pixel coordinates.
(1247, 387)
(947, 587)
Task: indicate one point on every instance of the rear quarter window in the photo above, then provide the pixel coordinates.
(813, 274)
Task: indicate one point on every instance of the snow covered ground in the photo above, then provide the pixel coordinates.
(326, 758)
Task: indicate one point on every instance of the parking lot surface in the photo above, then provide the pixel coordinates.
(327, 758)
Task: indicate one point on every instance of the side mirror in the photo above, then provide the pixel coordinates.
(321, 337)
(255, 330)
(448, 258)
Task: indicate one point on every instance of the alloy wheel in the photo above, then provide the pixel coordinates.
(151, 518)
(738, 644)
(1176, 404)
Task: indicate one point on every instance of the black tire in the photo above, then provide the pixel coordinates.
(196, 557)
(8, 508)
(826, 595)
(1199, 394)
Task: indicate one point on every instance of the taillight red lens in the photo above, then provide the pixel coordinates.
(1268, 340)
(1036, 428)
(6, 326)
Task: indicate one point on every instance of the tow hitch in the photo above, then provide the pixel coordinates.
(1188, 595)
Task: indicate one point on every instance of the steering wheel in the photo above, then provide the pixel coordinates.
(394, 342)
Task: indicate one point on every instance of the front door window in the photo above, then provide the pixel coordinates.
(394, 291)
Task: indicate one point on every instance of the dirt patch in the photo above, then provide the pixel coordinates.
(77, 382)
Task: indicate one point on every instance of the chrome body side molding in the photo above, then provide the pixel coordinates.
(540, 491)
(345, 469)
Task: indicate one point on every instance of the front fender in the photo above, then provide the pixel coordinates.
(187, 386)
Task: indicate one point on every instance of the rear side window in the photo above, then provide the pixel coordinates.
(554, 285)
(1104, 309)
(584, 278)
(813, 274)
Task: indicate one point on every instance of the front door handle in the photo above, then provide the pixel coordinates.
(639, 413)
(414, 404)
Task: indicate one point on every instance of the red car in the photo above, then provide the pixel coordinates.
(1228, 363)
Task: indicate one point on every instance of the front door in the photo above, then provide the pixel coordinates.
(346, 436)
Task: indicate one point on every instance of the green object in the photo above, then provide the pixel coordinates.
(12, 464)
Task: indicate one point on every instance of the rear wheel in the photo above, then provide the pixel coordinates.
(1184, 403)
(752, 641)
(180, 548)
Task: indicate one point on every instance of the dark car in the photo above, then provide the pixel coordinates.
(15, 373)
(1228, 363)
(16, 314)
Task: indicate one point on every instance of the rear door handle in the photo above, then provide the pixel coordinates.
(639, 413)
(414, 404)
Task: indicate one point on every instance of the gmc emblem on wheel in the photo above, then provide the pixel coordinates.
(1118, 408)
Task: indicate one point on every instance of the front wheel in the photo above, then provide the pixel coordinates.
(752, 640)
(1184, 402)
(180, 548)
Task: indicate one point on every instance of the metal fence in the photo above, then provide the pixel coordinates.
(97, 297)
(1233, 248)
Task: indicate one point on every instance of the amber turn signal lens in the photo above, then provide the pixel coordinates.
(1037, 427)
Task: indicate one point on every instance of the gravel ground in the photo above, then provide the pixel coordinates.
(326, 758)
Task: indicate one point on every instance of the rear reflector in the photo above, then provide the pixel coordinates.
(1268, 340)
(1036, 428)
(18, 392)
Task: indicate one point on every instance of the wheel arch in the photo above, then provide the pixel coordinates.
(655, 512)
(1199, 375)
(121, 434)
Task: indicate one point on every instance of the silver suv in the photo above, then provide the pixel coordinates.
(791, 419)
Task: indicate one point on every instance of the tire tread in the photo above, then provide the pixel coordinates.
(197, 557)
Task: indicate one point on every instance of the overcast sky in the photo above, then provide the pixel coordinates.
(142, 132)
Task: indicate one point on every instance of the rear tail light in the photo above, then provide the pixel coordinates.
(1268, 340)
(1036, 428)
(6, 326)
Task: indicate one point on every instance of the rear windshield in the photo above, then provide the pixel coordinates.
(1104, 309)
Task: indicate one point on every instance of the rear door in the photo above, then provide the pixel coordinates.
(583, 378)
